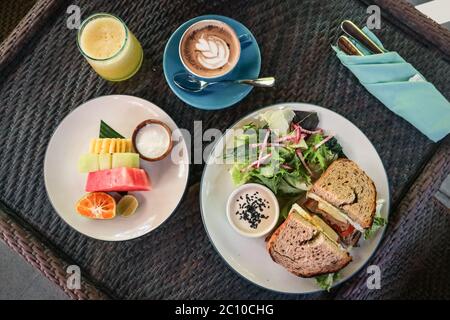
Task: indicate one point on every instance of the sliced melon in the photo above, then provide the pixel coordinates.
(88, 162)
(104, 161)
(125, 160)
(118, 179)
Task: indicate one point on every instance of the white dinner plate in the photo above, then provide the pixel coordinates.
(249, 257)
(65, 185)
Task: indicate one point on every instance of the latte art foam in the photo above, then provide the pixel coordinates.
(213, 52)
(210, 49)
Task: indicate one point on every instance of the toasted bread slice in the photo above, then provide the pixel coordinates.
(347, 187)
(304, 249)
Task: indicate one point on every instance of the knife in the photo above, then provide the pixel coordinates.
(348, 47)
(356, 33)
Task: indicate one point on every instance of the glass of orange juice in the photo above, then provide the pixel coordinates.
(109, 47)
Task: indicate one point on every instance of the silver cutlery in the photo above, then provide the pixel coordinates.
(188, 82)
(356, 33)
(348, 47)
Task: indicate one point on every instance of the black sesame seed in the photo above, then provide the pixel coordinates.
(252, 209)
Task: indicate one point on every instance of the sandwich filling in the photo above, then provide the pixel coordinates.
(318, 223)
(349, 236)
(334, 212)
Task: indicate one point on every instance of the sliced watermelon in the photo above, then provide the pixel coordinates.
(118, 179)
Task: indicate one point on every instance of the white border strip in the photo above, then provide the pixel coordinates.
(438, 10)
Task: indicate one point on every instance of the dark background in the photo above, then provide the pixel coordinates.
(49, 78)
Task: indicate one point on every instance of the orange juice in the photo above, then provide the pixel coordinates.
(110, 47)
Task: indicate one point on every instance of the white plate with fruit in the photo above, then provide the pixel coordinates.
(116, 168)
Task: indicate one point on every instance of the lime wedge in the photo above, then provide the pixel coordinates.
(127, 205)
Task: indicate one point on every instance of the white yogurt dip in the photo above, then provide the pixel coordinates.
(252, 210)
(152, 140)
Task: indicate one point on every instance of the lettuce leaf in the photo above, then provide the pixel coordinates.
(279, 120)
(321, 158)
(286, 188)
(378, 221)
(241, 154)
(272, 183)
(334, 146)
(286, 207)
(249, 126)
(238, 176)
(326, 281)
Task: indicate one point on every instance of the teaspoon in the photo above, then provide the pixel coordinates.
(188, 82)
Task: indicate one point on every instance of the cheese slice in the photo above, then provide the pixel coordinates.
(317, 222)
(333, 211)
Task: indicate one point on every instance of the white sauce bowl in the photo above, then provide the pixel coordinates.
(243, 226)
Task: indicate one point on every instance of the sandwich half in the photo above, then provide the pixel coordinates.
(306, 246)
(345, 197)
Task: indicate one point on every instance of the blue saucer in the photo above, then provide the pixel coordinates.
(221, 95)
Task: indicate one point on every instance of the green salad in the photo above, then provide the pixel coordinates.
(283, 149)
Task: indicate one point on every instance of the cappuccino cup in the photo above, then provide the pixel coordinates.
(210, 49)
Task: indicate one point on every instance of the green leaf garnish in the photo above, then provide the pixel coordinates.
(378, 223)
(334, 146)
(320, 158)
(326, 281)
(249, 126)
(286, 207)
(107, 132)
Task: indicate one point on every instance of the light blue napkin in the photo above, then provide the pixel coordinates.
(401, 88)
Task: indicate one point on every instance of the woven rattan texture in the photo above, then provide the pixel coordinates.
(11, 12)
(177, 261)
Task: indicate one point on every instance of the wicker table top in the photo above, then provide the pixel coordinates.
(48, 78)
